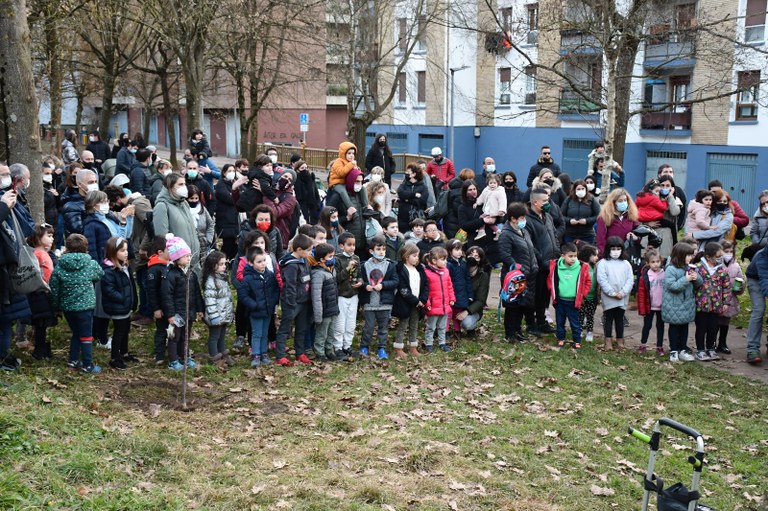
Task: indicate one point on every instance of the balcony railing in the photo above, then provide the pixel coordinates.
(572, 103)
(666, 120)
(670, 50)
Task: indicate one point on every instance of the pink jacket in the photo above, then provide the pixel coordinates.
(732, 307)
(441, 294)
(699, 217)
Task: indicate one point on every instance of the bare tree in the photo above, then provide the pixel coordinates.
(17, 95)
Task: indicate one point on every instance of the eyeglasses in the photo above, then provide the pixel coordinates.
(545, 154)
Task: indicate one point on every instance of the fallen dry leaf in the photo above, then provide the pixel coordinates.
(235, 390)
(46, 399)
(154, 410)
(278, 464)
(604, 492)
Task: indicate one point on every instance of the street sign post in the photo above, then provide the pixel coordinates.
(304, 124)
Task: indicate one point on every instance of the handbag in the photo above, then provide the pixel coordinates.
(27, 278)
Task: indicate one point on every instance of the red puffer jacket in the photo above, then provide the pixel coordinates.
(441, 294)
(650, 207)
(583, 285)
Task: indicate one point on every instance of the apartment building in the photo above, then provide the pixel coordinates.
(477, 78)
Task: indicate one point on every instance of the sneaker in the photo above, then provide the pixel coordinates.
(330, 355)
(239, 342)
(642, 348)
(546, 328)
(255, 361)
(118, 364)
(686, 357)
(284, 362)
(91, 369)
(191, 364)
(590, 337)
(712, 355)
(321, 358)
(363, 352)
(10, 363)
(303, 359)
(722, 348)
(382, 354)
(159, 361)
(560, 344)
(753, 357)
(519, 337)
(577, 345)
(660, 351)
(702, 356)
(673, 357)
(341, 355)
(429, 348)
(129, 358)
(480, 234)
(533, 332)
(265, 360)
(107, 346)
(176, 366)
(74, 365)
(445, 348)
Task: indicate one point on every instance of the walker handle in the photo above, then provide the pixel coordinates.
(639, 435)
(682, 428)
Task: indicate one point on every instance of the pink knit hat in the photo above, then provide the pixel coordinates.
(177, 247)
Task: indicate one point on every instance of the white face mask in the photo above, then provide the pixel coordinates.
(182, 192)
(765, 209)
(581, 194)
(195, 209)
(490, 168)
(615, 253)
(358, 187)
(727, 257)
(5, 182)
(380, 199)
(590, 186)
(93, 187)
(47, 178)
(104, 209)
(273, 158)
(230, 176)
(92, 139)
(166, 172)
(375, 178)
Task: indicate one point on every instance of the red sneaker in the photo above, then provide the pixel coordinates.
(284, 362)
(303, 359)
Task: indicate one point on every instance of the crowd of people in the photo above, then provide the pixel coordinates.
(131, 241)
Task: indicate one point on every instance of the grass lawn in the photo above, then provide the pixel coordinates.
(489, 426)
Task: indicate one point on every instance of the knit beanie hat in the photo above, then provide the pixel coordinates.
(177, 247)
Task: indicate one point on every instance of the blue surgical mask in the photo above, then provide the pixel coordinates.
(192, 174)
(622, 206)
(664, 192)
(521, 224)
(334, 223)
(330, 262)
(377, 256)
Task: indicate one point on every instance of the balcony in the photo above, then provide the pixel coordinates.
(575, 104)
(668, 121)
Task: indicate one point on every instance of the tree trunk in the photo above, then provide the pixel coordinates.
(17, 93)
(193, 67)
(108, 92)
(253, 140)
(357, 128)
(168, 112)
(80, 97)
(147, 118)
(245, 125)
(55, 80)
(624, 67)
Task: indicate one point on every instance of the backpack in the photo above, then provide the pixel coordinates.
(514, 285)
(441, 206)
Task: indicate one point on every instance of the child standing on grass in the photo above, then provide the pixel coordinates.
(348, 277)
(379, 284)
(118, 299)
(711, 300)
(40, 301)
(218, 306)
(568, 284)
(157, 269)
(589, 254)
(650, 295)
(72, 293)
(259, 294)
(295, 299)
(614, 275)
(441, 297)
(325, 301)
(732, 308)
(679, 306)
(412, 295)
(179, 283)
(462, 285)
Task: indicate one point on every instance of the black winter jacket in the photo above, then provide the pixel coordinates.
(407, 200)
(307, 195)
(118, 291)
(378, 158)
(573, 209)
(462, 282)
(156, 273)
(50, 205)
(258, 292)
(535, 169)
(275, 240)
(174, 289)
(481, 285)
(325, 293)
(226, 212)
(470, 221)
(451, 223)
(406, 301)
(543, 236)
(250, 197)
(517, 248)
(296, 281)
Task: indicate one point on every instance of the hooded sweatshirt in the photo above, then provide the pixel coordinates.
(341, 166)
(72, 282)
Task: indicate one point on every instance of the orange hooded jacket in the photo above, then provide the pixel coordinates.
(341, 166)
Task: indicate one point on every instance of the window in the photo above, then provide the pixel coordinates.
(427, 141)
(746, 102)
(680, 90)
(533, 23)
(402, 31)
(755, 21)
(401, 88)
(530, 85)
(421, 78)
(505, 85)
(422, 38)
(506, 19)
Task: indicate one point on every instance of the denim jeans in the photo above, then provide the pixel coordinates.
(470, 322)
(566, 309)
(435, 324)
(755, 331)
(81, 324)
(259, 332)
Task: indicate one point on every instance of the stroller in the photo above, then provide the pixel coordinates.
(677, 497)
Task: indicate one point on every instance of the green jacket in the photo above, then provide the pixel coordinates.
(72, 282)
(481, 285)
(343, 277)
(172, 215)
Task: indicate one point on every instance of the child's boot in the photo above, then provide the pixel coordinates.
(400, 353)
(722, 344)
(620, 344)
(413, 351)
(228, 358)
(608, 344)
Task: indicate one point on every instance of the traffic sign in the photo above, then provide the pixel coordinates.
(303, 118)
(304, 128)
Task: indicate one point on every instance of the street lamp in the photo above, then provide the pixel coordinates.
(453, 87)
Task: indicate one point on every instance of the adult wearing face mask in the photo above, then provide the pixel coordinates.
(489, 167)
(440, 169)
(618, 217)
(226, 212)
(74, 207)
(100, 149)
(668, 228)
(759, 231)
(126, 158)
(50, 196)
(721, 219)
(87, 161)
(543, 235)
(193, 177)
(547, 177)
(740, 218)
(580, 212)
(261, 218)
(141, 173)
(412, 197)
(375, 178)
(122, 141)
(100, 224)
(286, 211)
(514, 193)
(162, 169)
(171, 214)
(380, 155)
(306, 191)
(544, 161)
(68, 150)
(203, 222)
(468, 216)
(352, 218)
(451, 222)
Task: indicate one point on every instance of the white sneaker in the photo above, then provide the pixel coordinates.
(590, 337)
(686, 357)
(712, 354)
(673, 356)
(702, 356)
(107, 346)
